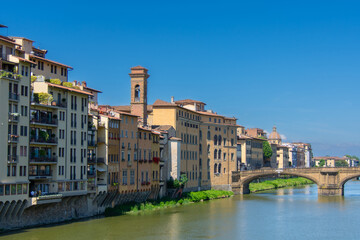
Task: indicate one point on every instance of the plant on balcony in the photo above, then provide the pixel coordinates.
(43, 98)
(68, 84)
(115, 184)
(147, 183)
(42, 153)
(43, 135)
(33, 78)
(55, 81)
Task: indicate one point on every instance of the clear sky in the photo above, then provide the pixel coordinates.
(290, 63)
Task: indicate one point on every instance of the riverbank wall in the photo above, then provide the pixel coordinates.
(56, 210)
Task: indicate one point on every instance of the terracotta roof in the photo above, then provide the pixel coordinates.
(175, 138)
(6, 39)
(92, 89)
(163, 127)
(40, 50)
(144, 129)
(127, 108)
(22, 38)
(138, 68)
(185, 101)
(126, 113)
(47, 60)
(274, 134)
(25, 60)
(163, 103)
(69, 89)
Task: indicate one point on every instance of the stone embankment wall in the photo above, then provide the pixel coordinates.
(69, 208)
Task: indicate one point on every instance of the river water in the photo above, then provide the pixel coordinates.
(291, 213)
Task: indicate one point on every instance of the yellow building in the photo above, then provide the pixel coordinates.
(251, 149)
(193, 124)
(282, 156)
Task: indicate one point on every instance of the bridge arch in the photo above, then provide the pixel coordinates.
(244, 183)
(348, 178)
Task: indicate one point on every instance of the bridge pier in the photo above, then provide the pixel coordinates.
(330, 191)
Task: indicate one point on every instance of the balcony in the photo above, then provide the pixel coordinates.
(92, 143)
(101, 124)
(14, 117)
(13, 159)
(41, 174)
(9, 75)
(91, 160)
(13, 138)
(101, 160)
(91, 174)
(43, 141)
(42, 160)
(44, 121)
(13, 96)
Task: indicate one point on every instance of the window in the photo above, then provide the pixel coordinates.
(124, 177)
(132, 177)
(215, 154)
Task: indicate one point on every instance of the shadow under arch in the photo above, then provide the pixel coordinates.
(346, 179)
(245, 182)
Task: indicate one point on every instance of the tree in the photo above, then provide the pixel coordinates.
(267, 150)
(341, 163)
(321, 163)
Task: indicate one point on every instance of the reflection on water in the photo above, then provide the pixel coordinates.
(289, 213)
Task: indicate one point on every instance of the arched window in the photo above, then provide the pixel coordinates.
(215, 168)
(208, 164)
(215, 154)
(219, 154)
(137, 93)
(215, 140)
(219, 170)
(219, 140)
(208, 148)
(200, 148)
(208, 135)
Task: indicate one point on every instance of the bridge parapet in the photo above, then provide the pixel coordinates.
(330, 181)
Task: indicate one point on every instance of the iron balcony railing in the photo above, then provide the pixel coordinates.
(51, 121)
(13, 117)
(14, 96)
(44, 159)
(13, 158)
(52, 140)
(13, 138)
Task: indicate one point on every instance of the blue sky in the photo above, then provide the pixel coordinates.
(290, 63)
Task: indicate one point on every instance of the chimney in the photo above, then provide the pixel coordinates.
(172, 99)
(75, 83)
(83, 83)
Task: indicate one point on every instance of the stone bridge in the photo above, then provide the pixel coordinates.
(330, 181)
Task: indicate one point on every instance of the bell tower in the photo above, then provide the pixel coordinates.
(138, 102)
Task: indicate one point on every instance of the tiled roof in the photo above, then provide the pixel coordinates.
(47, 60)
(185, 101)
(69, 89)
(25, 60)
(163, 103)
(138, 68)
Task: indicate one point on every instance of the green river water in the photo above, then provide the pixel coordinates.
(291, 213)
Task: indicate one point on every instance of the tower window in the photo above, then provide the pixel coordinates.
(137, 93)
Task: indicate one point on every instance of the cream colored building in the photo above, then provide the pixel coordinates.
(15, 73)
(282, 156)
